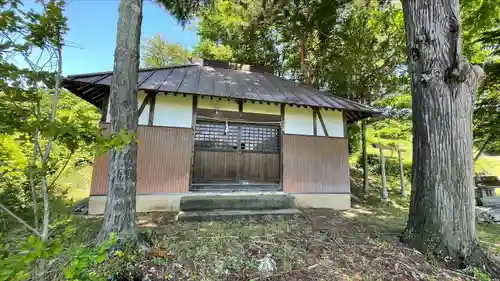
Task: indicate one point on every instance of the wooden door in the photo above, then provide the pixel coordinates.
(230, 153)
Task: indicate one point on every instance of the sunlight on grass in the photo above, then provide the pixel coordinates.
(489, 165)
(489, 236)
(77, 181)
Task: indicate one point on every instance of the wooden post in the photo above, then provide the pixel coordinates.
(318, 113)
(152, 103)
(315, 125)
(193, 127)
(385, 194)
(401, 174)
(104, 110)
(282, 137)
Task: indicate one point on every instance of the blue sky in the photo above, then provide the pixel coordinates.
(91, 38)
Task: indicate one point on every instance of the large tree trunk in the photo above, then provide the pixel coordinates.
(442, 217)
(364, 155)
(119, 214)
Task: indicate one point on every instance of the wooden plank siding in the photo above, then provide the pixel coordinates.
(315, 164)
(163, 162)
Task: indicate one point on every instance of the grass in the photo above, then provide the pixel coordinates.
(76, 181)
(360, 244)
(488, 164)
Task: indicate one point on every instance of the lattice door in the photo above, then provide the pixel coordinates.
(236, 153)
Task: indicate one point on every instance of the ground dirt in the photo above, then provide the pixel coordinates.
(359, 244)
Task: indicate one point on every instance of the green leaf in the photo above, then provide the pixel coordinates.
(101, 258)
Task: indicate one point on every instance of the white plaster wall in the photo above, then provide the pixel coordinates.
(298, 121)
(273, 109)
(173, 111)
(143, 119)
(223, 104)
(334, 123)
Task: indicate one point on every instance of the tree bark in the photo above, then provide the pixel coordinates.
(442, 217)
(119, 214)
(364, 155)
(483, 147)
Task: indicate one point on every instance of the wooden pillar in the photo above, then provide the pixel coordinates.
(282, 136)
(193, 127)
(152, 104)
(104, 110)
(385, 194)
(401, 174)
(315, 125)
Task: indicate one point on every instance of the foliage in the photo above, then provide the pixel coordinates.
(479, 273)
(158, 53)
(228, 31)
(365, 61)
(71, 255)
(85, 260)
(43, 131)
(208, 49)
(75, 130)
(20, 265)
(481, 21)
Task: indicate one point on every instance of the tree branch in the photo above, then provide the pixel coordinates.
(483, 147)
(23, 222)
(62, 170)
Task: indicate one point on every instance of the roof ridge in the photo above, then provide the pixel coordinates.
(140, 70)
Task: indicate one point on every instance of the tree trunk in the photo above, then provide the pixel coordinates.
(34, 159)
(442, 218)
(119, 214)
(483, 147)
(364, 156)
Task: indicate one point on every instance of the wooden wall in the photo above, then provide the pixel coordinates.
(163, 162)
(315, 164)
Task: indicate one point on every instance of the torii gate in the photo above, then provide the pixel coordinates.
(384, 192)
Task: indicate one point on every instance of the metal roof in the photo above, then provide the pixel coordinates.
(221, 83)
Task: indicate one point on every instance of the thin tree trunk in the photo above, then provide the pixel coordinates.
(31, 175)
(442, 217)
(303, 65)
(364, 156)
(48, 147)
(119, 214)
(44, 235)
(483, 147)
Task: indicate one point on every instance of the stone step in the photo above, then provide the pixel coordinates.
(237, 202)
(221, 215)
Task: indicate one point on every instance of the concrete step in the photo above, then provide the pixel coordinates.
(220, 215)
(237, 202)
